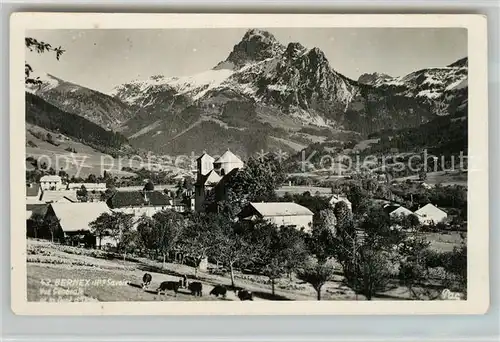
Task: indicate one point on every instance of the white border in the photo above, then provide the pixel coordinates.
(478, 223)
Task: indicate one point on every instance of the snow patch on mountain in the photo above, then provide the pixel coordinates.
(48, 82)
(459, 84)
(195, 85)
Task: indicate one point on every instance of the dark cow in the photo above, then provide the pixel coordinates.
(245, 295)
(196, 288)
(169, 285)
(146, 280)
(219, 290)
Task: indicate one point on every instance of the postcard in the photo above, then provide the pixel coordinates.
(244, 164)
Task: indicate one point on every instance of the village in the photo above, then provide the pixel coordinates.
(273, 234)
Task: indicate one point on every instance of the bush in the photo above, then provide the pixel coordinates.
(31, 144)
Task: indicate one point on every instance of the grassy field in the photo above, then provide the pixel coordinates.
(444, 242)
(104, 279)
(442, 177)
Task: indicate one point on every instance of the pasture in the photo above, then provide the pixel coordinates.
(101, 278)
(86, 160)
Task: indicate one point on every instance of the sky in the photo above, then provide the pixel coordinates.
(103, 58)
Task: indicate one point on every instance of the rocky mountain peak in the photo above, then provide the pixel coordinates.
(294, 50)
(461, 63)
(255, 46)
(373, 78)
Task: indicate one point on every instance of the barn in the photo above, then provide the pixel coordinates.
(73, 219)
(279, 213)
(430, 214)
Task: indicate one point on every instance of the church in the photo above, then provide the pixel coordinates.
(210, 172)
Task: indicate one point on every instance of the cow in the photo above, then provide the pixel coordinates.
(244, 295)
(169, 285)
(219, 290)
(146, 280)
(196, 288)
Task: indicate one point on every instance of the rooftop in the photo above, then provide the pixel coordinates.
(228, 157)
(280, 209)
(122, 199)
(50, 178)
(77, 216)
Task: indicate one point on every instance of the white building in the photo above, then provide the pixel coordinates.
(51, 182)
(430, 214)
(210, 172)
(279, 213)
(339, 198)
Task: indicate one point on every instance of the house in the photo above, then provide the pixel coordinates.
(430, 214)
(139, 202)
(51, 182)
(180, 205)
(211, 174)
(398, 211)
(339, 198)
(33, 193)
(74, 218)
(279, 213)
(88, 186)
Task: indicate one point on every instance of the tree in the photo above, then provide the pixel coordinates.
(116, 225)
(179, 188)
(322, 240)
(101, 226)
(371, 273)
(146, 235)
(40, 47)
(82, 194)
(366, 261)
(197, 239)
(414, 257)
(357, 196)
(188, 184)
(37, 221)
(343, 215)
(280, 250)
(168, 226)
(456, 265)
(52, 224)
(231, 243)
(317, 273)
(255, 182)
(121, 230)
(149, 186)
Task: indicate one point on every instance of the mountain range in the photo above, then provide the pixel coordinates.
(263, 96)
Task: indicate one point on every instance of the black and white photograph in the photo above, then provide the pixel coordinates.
(257, 163)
